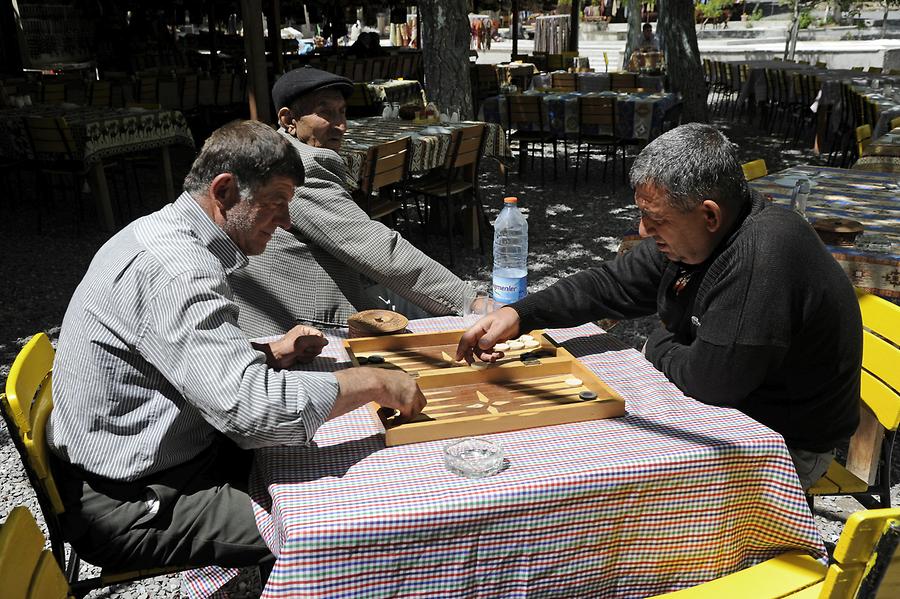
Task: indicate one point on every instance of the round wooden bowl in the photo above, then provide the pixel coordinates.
(372, 323)
(838, 231)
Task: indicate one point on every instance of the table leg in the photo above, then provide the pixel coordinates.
(100, 191)
(167, 190)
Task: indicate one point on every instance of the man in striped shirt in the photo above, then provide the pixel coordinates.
(158, 396)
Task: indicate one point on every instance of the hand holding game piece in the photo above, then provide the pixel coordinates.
(480, 340)
(391, 389)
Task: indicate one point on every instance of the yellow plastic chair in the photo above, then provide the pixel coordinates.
(27, 570)
(866, 561)
(868, 466)
(26, 407)
(755, 169)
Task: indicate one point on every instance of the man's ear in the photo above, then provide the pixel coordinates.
(712, 215)
(224, 191)
(285, 117)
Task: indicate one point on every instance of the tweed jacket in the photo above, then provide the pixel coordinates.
(317, 272)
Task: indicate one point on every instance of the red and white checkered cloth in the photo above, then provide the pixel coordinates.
(673, 494)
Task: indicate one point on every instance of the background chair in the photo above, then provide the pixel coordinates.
(26, 407)
(566, 82)
(755, 169)
(386, 165)
(528, 126)
(863, 138)
(597, 127)
(867, 470)
(27, 570)
(866, 563)
(458, 177)
(622, 82)
(362, 103)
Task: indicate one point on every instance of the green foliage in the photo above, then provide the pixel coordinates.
(805, 19)
(757, 14)
(714, 8)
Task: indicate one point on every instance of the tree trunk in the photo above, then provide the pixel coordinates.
(884, 20)
(790, 44)
(634, 31)
(445, 51)
(685, 72)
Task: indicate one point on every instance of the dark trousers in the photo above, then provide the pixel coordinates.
(204, 515)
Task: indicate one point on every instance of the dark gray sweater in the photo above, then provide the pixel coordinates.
(771, 327)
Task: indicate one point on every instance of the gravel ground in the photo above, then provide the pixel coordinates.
(569, 230)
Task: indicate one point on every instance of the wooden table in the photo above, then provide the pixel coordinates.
(102, 133)
(672, 494)
(868, 197)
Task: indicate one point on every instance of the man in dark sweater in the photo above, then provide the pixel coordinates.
(756, 314)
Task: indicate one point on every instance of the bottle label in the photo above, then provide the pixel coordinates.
(508, 290)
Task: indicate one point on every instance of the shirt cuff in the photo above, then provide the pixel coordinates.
(320, 391)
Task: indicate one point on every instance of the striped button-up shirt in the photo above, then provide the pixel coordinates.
(150, 360)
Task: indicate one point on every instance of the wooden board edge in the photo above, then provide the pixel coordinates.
(469, 426)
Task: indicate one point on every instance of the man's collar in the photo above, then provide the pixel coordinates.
(210, 234)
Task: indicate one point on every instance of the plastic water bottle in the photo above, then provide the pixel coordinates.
(800, 196)
(510, 254)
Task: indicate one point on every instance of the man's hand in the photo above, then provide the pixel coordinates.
(479, 340)
(389, 388)
(300, 344)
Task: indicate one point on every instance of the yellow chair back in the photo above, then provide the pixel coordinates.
(26, 569)
(863, 138)
(28, 402)
(755, 169)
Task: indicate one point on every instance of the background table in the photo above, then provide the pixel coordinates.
(868, 197)
(428, 150)
(638, 116)
(598, 82)
(670, 495)
(101, 133)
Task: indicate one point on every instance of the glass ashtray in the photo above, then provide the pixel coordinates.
(473, 457)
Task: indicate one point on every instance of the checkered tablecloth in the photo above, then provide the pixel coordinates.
(670, 495)
(871, 198)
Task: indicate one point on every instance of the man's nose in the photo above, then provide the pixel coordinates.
(283, 218)
(642, 229)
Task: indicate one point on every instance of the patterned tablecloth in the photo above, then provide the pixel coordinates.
(670, 495)
(871, 198)
(430, 143)
(98, 132)
(638, 116)
(598, 82)
(401, 91)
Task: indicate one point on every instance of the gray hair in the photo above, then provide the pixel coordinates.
(251, 151)
(692, 163)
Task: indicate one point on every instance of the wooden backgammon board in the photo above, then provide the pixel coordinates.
(538, 386)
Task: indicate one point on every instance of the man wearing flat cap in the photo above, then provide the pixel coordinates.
(335, 260)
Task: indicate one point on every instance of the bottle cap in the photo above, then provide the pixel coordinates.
(510, 200)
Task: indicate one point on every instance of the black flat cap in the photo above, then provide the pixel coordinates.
(302, 81)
